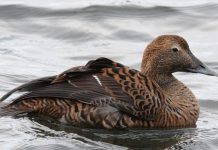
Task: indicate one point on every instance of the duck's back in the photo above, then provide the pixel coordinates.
(101, 93)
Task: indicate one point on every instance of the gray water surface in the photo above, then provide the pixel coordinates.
(44, 38)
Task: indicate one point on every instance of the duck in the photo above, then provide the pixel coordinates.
(107, 94)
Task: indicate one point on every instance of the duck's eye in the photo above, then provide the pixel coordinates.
(175, 49)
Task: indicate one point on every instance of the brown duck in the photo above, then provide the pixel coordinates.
(107, 94)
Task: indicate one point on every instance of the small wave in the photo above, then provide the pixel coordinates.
(209, 104)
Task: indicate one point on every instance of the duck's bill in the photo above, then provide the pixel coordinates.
(203, 69)
(200, 67)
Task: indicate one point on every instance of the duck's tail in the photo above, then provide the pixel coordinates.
(7, 110)
(4, 111)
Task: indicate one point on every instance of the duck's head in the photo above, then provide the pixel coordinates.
(170, 53)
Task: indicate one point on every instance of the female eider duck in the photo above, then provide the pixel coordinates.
(107, 94)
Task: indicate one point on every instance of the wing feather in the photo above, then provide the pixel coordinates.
(100, 82)
(30, 86)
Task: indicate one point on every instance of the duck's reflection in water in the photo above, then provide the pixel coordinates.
(133, 139)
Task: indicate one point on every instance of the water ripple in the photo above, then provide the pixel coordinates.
(39, 41)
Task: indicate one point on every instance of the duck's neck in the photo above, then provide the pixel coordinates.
(163, 80)
(175, 89)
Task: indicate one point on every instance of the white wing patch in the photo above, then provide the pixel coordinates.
(97, 79)
(70, 82)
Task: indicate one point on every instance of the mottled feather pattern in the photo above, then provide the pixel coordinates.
(136, 100)
(107, 94)
(139, 88)
(122, 89)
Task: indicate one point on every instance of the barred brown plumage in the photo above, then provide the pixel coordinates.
(107, 94)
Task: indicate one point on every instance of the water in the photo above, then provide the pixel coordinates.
(44, 38)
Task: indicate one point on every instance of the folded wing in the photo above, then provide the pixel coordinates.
(100, 82)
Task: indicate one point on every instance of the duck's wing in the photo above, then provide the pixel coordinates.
(96, 65)
(103, 82)
(30, 86)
